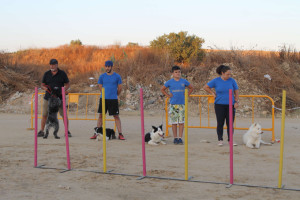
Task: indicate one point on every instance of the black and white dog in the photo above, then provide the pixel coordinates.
(110, 133)
(54, 103)
(156, 136)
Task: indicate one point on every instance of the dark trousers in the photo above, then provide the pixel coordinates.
(222, 113)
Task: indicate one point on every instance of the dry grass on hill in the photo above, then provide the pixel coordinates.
(141, 66)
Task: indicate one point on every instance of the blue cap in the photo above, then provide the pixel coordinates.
(109, 63)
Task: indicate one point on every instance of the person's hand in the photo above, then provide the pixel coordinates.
(170, 95)
(66, 92)
(236, 105)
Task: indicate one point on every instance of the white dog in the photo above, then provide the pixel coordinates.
(156, 136)
(252, 138)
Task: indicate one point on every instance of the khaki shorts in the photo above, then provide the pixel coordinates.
(176, 114)
(45, 109)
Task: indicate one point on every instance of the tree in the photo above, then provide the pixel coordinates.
(76, 42)
(181, 46)
(132, 44)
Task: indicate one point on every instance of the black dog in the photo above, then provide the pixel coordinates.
(53, 106)
(110, 133)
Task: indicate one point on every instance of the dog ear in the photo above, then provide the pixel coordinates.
(98, 130)
(154, 128)
(161, 127)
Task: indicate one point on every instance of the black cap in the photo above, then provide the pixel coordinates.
(53, 62)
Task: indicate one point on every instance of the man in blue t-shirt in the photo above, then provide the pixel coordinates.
(177, 87)
(112, 83)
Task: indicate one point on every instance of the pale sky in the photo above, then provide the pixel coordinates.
(223, 24)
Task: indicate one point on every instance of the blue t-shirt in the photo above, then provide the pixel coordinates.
(110, 84)
(177, 89)
(222, 89)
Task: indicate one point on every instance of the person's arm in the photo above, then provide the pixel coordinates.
(67, 86)
(119, 89)
(191, 88)
(163, 90)
(208, 90)
(100, 87)
(236, 98)
(43, 86)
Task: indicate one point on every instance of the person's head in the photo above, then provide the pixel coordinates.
(53, 65)
(224, 71)
(108, 66)
(176, 72)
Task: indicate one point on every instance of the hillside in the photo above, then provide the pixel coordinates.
(147, 68)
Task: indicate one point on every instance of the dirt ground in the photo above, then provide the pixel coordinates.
(206, 162)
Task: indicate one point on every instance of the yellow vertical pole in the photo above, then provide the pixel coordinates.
(282, 138)
(273, 122)
(104, 130)
(186, 132)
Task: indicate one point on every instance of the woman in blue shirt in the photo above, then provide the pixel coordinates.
(222, 85)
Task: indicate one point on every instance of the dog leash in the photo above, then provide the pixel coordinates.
(50, 91)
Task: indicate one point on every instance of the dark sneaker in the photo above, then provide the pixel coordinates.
(41, 134)
(56, 137)
(93, 137)
(69, 134)
(175, 141)
(121, 137)
(113, 137)
(180, 141)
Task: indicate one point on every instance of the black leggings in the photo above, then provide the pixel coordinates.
(222, 113)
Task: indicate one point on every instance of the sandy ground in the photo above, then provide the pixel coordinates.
(207, 162)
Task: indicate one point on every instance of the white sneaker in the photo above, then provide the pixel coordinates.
(234, 143)
(220, 143)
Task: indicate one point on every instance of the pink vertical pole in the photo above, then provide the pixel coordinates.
(66, 126)
(231, 136)
(143, 131)
(35, 125)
